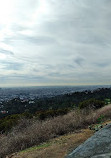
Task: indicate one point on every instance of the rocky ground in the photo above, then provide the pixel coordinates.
(97, 146)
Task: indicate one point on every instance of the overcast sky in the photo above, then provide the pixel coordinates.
(55, 42)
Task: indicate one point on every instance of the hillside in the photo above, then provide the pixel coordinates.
(34, 133)
(64, 102)
(57, 147)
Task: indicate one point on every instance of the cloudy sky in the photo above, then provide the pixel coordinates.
(55, 42)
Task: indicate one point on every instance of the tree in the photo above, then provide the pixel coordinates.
(91, 103)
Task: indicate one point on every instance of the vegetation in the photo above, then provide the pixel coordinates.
(10, 121)
(91, 103)
(16, 106)
(31, 132)
(28, 125)
(34, 132)
(57, 147)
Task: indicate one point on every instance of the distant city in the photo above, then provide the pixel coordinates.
(31, 93)
(27, 97)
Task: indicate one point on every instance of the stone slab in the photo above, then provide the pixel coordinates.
(98, 144)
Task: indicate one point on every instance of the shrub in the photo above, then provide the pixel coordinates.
(91, 103)
(8, 122)
(100, 119)
(51, 113)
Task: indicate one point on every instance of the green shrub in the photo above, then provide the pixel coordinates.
(91, 103)
(51, 113)
(100, 119)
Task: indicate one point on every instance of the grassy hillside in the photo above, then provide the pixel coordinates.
(33, 132)
(57, 147)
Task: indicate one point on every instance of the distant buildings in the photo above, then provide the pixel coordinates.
(4, 112)
(31, 102)
(1, 106)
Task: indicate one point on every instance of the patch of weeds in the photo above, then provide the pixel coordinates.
(96, 127)
(36, 147)
(100, 119)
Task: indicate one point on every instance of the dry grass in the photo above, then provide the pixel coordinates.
(106, 111)
(56, 148)
(32, 132)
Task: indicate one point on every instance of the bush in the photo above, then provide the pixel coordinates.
(10, 121)
(91, 103)
(51, 113)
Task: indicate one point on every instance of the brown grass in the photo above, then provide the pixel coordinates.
(32, 132)
(58, 147)
(106, 111)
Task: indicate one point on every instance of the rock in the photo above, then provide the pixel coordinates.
(107, 155)
(95, 146)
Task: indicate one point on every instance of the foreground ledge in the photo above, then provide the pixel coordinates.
(97, 146)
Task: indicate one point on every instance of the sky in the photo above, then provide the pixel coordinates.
(55, 42)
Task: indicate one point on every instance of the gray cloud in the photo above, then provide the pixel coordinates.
(79, 61)
(62, 41)
(103, 64)
(7, 52)
(11, 65)
(39, 40)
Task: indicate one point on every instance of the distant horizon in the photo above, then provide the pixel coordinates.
(32, 86)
